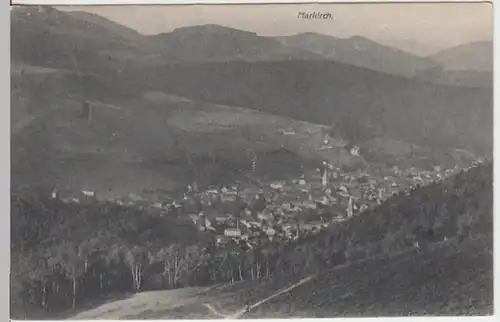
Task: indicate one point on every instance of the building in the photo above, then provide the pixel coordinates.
(88, 196)
(221, 219)
(288, 131)
(307, 204)
(325, 147)
(88, 193)
(228, 197)
(158, 205)
(270, 231)
(221, 239)
(305, 226)
(265, 215)
(354, 150)
(276, 185)
(318, 224)
(208, 225)
(232, 232)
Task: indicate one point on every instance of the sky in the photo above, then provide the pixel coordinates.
(418, 27)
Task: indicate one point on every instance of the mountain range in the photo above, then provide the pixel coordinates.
(362, 52)
(86, 33)
(360, 88)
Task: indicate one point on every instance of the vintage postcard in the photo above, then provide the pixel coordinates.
(251, 161)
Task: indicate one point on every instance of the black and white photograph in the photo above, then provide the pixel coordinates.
(251, 161)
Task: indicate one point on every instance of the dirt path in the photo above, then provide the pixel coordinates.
(142, 302)
(241, 312)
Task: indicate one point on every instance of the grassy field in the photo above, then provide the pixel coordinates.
(449, 280)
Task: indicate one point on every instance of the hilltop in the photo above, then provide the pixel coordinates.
(80, 42)
(209, 43)
(88, 42)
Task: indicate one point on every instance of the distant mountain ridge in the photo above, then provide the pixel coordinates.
(90, 38)
(475, 56)
(217, 43)
(361, 52)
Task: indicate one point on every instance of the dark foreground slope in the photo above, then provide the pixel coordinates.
(447, 281)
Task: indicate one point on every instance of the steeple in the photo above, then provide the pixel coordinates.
(349, 208)
(87, 111)
(324, 179)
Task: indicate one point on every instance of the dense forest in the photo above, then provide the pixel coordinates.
(66, 254)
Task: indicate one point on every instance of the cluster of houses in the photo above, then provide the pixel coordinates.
(283, 209)
(303, 205)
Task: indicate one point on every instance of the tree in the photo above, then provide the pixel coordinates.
(189, 263)
(170, 257)
(137, 257)
(222, 263)
(250, 263)
(72, 265)
(352, 128)
(84, 251)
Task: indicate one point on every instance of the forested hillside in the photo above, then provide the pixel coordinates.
(345, 96)
(105, 248)
(459, 207)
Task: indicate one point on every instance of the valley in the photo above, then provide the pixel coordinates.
(212, 172)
